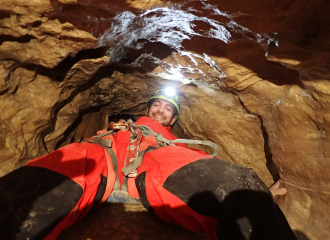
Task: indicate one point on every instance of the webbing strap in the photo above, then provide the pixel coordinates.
(137, 161)
(134, 165)
(110, 183)
(203, 142)
(102, 142)
(160, 139)
(106, 143)
(124, 184)
(115, 167)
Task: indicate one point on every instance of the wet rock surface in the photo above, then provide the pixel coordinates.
(123, 222)
(253, 77)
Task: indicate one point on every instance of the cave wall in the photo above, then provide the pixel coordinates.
(253, 78)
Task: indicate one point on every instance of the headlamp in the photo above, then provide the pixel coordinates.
(169, 91)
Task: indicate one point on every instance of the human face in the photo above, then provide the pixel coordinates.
(162, 111)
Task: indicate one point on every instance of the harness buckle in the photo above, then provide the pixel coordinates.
(132, 174)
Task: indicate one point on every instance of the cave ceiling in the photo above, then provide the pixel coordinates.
(253, 77)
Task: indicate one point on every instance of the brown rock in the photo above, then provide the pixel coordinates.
(123, 222)
(142, 4)
(254, 78)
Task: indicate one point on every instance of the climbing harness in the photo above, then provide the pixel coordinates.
(134, 156)
(164, 142)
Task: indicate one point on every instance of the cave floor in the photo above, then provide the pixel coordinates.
(123, 222)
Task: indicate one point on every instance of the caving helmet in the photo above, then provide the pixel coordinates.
(168, 94)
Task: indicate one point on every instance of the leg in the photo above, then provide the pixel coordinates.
(37, 203)
(34, 201)
(233, 195)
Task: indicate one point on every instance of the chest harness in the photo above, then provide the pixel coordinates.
(134, 156)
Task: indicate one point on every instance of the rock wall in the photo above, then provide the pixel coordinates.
(253, 77)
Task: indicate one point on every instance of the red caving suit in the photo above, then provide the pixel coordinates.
(180, 185)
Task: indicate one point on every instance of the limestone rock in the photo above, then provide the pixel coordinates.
(124, 222)
(253, 76)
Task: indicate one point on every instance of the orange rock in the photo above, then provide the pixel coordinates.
(262, 94)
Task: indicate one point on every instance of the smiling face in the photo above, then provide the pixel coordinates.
(162, 111)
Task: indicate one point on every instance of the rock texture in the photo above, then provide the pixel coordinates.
(108, 222)
(253, 78)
